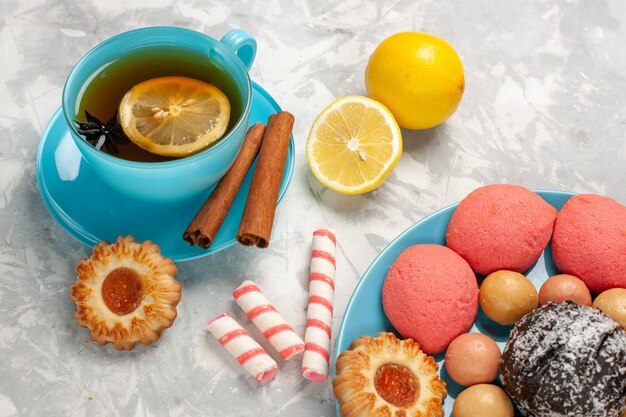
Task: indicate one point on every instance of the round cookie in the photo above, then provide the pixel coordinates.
(500, 226)
(613, 303)
(563, 287)
(472, 358)
(566, 360)
(507, 296)
(430, 294)
(483, 400)
(589, 241)
(384, 376)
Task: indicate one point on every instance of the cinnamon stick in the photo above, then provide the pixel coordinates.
(207, 222)
(258, 214)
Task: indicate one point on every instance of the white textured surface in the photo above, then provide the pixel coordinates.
(544, 106)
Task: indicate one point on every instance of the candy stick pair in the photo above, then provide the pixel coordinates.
(266, 318)
(276, 329)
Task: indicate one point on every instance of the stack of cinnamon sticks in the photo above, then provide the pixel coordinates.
(271, 143)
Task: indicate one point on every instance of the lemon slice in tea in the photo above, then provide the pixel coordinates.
(353, 145)
(174, 116)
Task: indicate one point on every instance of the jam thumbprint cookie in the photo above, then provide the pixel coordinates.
(126, 293)
(385, 376)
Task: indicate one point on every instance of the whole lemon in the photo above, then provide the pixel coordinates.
(418, 77)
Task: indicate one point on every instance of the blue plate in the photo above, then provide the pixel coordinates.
(364, 314)
(91, 211)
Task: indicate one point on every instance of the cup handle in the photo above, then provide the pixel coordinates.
(243, 44)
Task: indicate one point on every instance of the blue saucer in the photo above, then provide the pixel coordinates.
(91, 211)
(364, 314)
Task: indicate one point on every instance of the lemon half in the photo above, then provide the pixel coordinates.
(174, 116)
(353, 145)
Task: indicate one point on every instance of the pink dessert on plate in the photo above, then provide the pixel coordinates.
(501, 226)
(430, 294)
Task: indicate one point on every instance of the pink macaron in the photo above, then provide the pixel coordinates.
(589, 241)
(501, 226)
(430, 294)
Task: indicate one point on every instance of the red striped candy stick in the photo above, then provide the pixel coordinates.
(269, 321)
(320, 311)
(242, 347)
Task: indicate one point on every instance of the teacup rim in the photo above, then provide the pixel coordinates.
(82, 143)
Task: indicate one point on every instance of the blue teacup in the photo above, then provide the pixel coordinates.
(180, 179)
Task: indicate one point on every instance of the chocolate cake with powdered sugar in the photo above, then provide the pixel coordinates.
(566, 360)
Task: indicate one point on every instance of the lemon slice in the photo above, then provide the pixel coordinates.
(353, 145)
(174, 116)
